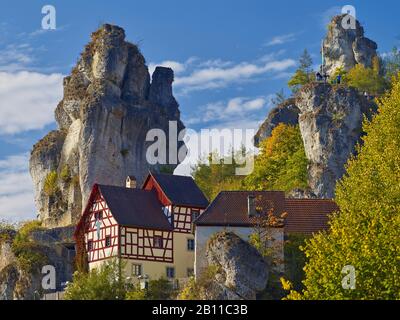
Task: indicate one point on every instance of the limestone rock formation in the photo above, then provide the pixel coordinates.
(330, 122)
(346, 47)
(242, 271)
(109, 105)
(286, 113)
(19, 283)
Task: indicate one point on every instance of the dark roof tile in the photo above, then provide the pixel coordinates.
(135, 207)
(181, 190)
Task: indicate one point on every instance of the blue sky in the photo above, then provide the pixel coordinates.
(229, 57)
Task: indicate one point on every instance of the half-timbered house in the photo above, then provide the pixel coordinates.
(150, 228)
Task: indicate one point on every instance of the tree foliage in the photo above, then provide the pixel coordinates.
(281, 164)
(104, 283)
(367, 80)
(217, 174)
(303, 74)
(365, 233)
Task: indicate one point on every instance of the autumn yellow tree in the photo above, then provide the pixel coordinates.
(281, 163)
(365, 234)
(367, 80)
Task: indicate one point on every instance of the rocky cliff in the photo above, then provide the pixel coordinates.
(346, 47)
(330, 122)
(20, 280)
(241, 271)
(329, 116)
(109, 105)
(286, 112)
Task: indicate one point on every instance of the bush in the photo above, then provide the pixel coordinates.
(367, 80)
(65, 174)
(104, 283)
(50, 183)
(27, 252)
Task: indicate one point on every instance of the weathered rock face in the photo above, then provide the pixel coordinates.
(286, 113)
(346, 47)
(18, 283)
(242, 271)
(108, 107)
(330, 122)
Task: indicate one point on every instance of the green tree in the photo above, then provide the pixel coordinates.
(218, 173)
(104, 283)
(367, 80)
(365, 233)
(303, 74)
(281, 164)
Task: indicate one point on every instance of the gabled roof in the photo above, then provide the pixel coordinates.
(230, 208)
(180, 190)
(135, 207)
(308, 216)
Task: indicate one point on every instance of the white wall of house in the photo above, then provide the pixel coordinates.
(204, 233)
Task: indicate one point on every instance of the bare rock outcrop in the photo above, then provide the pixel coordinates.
(346, 47)
(109, 105)
(330, 122)
(286, 113)
(242, 271)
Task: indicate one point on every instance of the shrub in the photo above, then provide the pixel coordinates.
(367, 79)
(65, 174)
(104, 283)
(27, 252)
(50, 183)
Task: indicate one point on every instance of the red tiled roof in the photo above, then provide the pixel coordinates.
(307, 216)
(304, 216)
(230, 208)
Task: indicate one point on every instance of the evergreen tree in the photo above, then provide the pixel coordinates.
(303, 74)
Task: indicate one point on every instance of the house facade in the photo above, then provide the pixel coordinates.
(235, 211)
(149, 228)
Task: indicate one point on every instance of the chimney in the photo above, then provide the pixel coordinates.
(251, 205)
(131, 182)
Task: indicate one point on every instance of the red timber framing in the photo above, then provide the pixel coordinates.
(179, 216)
(139, 244)
(108, 228)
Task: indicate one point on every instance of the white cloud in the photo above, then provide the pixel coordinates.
(28, 100)
(217, 77)
(16, 195)
(174, 65)
(15, 57)
(236, 108)
(281, 39)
